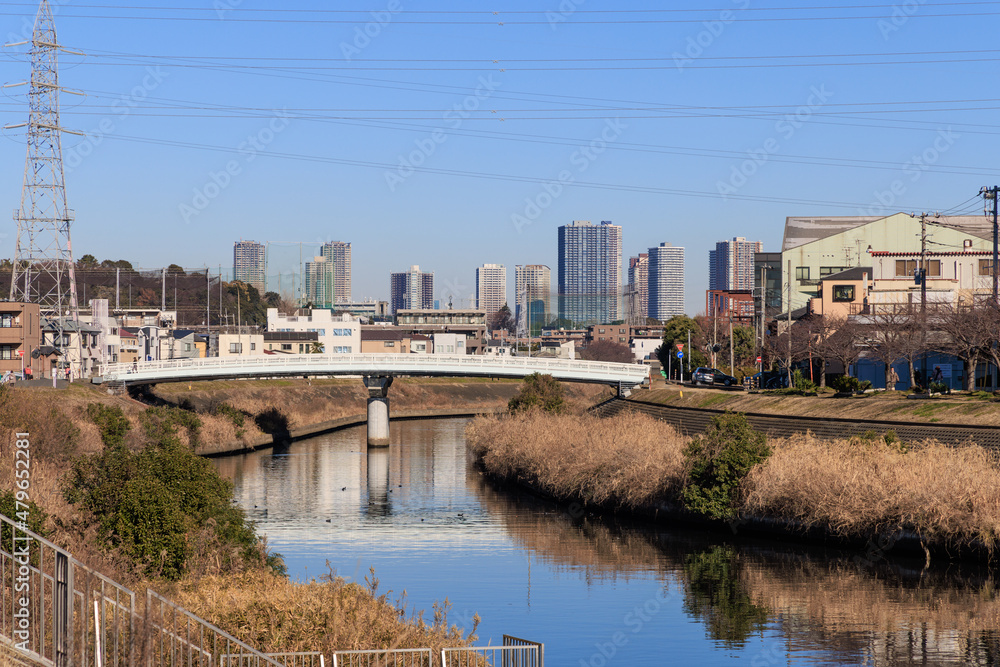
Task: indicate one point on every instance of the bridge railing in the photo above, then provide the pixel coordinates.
(372, 363)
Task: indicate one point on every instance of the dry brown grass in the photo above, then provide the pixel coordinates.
(274, 614)
(853, 486)
(631, 460)
(305, 403)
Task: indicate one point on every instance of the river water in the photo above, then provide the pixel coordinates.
(595, 591)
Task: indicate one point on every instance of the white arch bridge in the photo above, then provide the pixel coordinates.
(377, 371)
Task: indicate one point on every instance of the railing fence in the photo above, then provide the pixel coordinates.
(400, 657)
(58, 612)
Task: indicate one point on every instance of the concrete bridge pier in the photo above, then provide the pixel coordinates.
(378, 409)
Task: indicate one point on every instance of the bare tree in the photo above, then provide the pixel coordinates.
(839, 339)
(967, 332)
(896, 334)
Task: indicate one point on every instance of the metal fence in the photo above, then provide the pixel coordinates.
(399, 657)
(293, 659)
(178, 638)
(490, 656)
(57, 610)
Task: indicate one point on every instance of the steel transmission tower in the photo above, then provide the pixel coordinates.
(43, 270)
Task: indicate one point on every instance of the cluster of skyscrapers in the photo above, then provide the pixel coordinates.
(588, 286)
(326, 279)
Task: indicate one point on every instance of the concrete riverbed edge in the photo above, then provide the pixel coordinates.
(311, 430)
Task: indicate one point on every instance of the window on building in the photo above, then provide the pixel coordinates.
(905, 267)
(236, 348)
(6, 320)
(986, 267)
(802, 273)
(934, 267)
(389, 343)
(301, 348)
(843, 292)
(286, 347)
(825, 271)
(601, 331)
(7, 351)
(187, 347)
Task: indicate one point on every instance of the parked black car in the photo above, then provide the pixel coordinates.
(770, 380)
(704, 375)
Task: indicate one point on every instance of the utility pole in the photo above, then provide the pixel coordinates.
(789, 332)
(731, 366)
(688, 358)
(118, 286)
(988, 194)
(163, 293)
(923, 295)
(763, 312)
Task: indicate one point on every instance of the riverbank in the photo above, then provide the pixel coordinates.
(71, 429)
(873, 493)
(956, 408)
(276, 411)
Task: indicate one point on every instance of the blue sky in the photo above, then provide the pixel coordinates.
(230, 119)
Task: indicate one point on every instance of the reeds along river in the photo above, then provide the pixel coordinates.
(595, 591)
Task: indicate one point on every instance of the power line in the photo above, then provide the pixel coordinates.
(492, 176)
(500, 22)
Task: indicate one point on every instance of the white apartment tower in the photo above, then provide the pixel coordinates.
(491, 288)
(338, 253)
(666, 281)
(730, 265)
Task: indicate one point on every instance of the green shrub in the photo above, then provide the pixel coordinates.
(161, 423)
(718, 461)
(938, 387)
(148, 504)
(538, 391)
(111, 422)
(33, 517)
(846, 383)
(235, 416)
(801, 382)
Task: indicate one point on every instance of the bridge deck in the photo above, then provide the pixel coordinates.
(299, 365)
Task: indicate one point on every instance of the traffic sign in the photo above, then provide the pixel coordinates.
(760, 359)
(680, 346)
(680, 354)
(20, 353)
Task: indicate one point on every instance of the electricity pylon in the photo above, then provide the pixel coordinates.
(43, 271)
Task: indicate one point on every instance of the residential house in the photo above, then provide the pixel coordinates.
(20, 334)
(290, 342)
(338, 334)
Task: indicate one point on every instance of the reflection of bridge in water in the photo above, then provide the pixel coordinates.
(377, 371)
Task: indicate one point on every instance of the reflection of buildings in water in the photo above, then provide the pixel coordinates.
(849, 614)
(325, 480)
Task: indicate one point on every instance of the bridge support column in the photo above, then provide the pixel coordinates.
(378, 409)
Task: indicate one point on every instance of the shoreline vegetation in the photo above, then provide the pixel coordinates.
(894, 496)
(121, 485)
